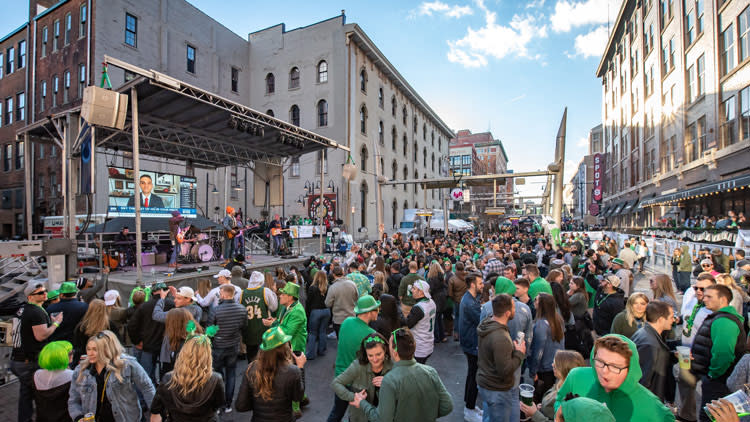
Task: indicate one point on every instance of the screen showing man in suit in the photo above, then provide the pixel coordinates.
(161, 193)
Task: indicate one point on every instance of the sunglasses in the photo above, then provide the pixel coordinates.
(706, 265)
(700, 288)
(40, 292)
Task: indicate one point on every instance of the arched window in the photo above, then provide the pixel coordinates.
(405, 115)
(382, 167)
(393, 138)
(322, 113)
(406, 176)
(415, 124)
(294, 115)
(394, 167)
(363, 119)
(424, 157)
(416, 186)
(424, 131)
(415, 153)
(322, 72)
(270, 112)
(294, 78)
(394, 208)
(380, 98)
(406, 205)
(270, 84)
(363, 80)
(440, 143)
(433, 161)
(363, 204)
(393, 106)
(381, 134)
(432, 134)
(363, 158)
(405, 145)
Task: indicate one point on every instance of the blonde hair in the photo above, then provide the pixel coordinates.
(435, 270)
(663, 287)
(269, 281)
(565, 361)
(193, 367)
(727, 280)
(321, 282)
(96, 318)
(108, 351)
(379, 278)
(629, 306)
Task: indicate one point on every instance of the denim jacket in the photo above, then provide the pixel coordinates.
(122, 395)
(543, 348)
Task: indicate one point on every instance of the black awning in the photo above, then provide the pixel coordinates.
(718, 187)
(630, 207)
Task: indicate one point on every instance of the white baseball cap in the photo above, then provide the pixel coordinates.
(187, 292)
(110, 297)
(224, 273)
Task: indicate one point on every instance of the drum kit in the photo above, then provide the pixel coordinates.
(198, 248)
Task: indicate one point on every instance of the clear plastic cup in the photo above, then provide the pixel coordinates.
(683, 353)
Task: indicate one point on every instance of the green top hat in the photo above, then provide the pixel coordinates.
(618, 261)
(366, 303)
(273, 338)
(291, 289)
(68, 287)
(53, 294)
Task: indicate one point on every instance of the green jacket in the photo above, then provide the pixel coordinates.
(351, 333)
(537, 286)
(724, 334)
(357, 377)
(410, 392)
(631, 402)
(294, 323)
(404, 292)
(686, 260)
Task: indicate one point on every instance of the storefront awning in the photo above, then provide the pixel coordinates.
(740, 182)
(618, 209)
(630, 207)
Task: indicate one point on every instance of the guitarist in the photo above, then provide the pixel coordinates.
(275, 234)
(174, 228)
(230, 230)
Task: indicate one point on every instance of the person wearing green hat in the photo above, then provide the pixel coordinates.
(613, 379)
(293, 321)
(71, 307)
(53, 296)
(271, 385)
(351, 333)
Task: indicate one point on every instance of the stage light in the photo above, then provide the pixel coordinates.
(232, 123)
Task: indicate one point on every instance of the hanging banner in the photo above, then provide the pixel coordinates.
(598, 176)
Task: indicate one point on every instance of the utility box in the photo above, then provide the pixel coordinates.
(59, 263)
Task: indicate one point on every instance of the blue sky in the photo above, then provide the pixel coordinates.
(505, 65)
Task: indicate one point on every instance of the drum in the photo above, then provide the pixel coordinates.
(202, 237)
(185, 248)
(202, 253)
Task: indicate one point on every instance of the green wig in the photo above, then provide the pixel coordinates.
(55, 356)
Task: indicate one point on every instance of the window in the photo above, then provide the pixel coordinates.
(745, 112)
(19, 155)
(270, 84)
(691, 143)
(393, 138)
(394, 211)
(190, 56)
(405, 115)
(40, 183)
(363, 80)
(701, 75)
(44, 42)
(131, 30)
(322, 72)
(702, 138)
(727, 50)
(21, 54)
(665, 60)
(53, 153)
(55, 85)
(2, 68)
(380, 98)
(294, 115)
(235, 79)
(81, 80)
(424, 132)
(415, 154)
(294, 78)
(363, 205)
(41, 150)
(363, 158)
(433, 161)
(671, 52)
(649, 81)
(363, 119)
(21, 107)
(8, 111)
(689, 28)
(8, 158)
(406, 176)
(1, 113)
(53, 183)
(699, 12)
(10, 54)
(650, 37)
(393, 106)
(66, 86)
(406, 145)
(664, 13)
(692, 90)
(728, 122)
(424, 157)
(82, 17)
(295, 167)
(414, 124)
(269, 112)
(381, 133)
(745, 34)
(68, 27)
(322, 113)
(55, 35)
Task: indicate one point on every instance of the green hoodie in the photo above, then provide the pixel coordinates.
(724, 334)
(504, 285)
(586, 409)
(631, 402)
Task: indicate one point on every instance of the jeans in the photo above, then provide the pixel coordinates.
(173, 257)
(147, 360)
(683, 280)
(501, 406)
(455, 319)
(439, 329)
(225, 363)
(316, 332)
(339, 409)
(276, 242)
(25, 373)
(470, 389)
(711, 390)
(228, 248)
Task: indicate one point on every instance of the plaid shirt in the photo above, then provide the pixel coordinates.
(493, 266)
(361, 281)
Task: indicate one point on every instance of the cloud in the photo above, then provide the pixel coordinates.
(583, 142)
(593, 43)
(518, 98)
(429, 7)
(496, 41)
(534, 4)
(569, 13)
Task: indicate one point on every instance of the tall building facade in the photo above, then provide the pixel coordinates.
(328, 77)
(676, 110)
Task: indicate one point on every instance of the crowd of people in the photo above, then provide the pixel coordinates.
(731, 220)
(549, 332)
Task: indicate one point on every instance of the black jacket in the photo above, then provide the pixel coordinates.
(656, 362)
(142, 328)
(198, 406)
(287, 387)
(394, 281)
(73, 311)
(606, 307)
(439, 292)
